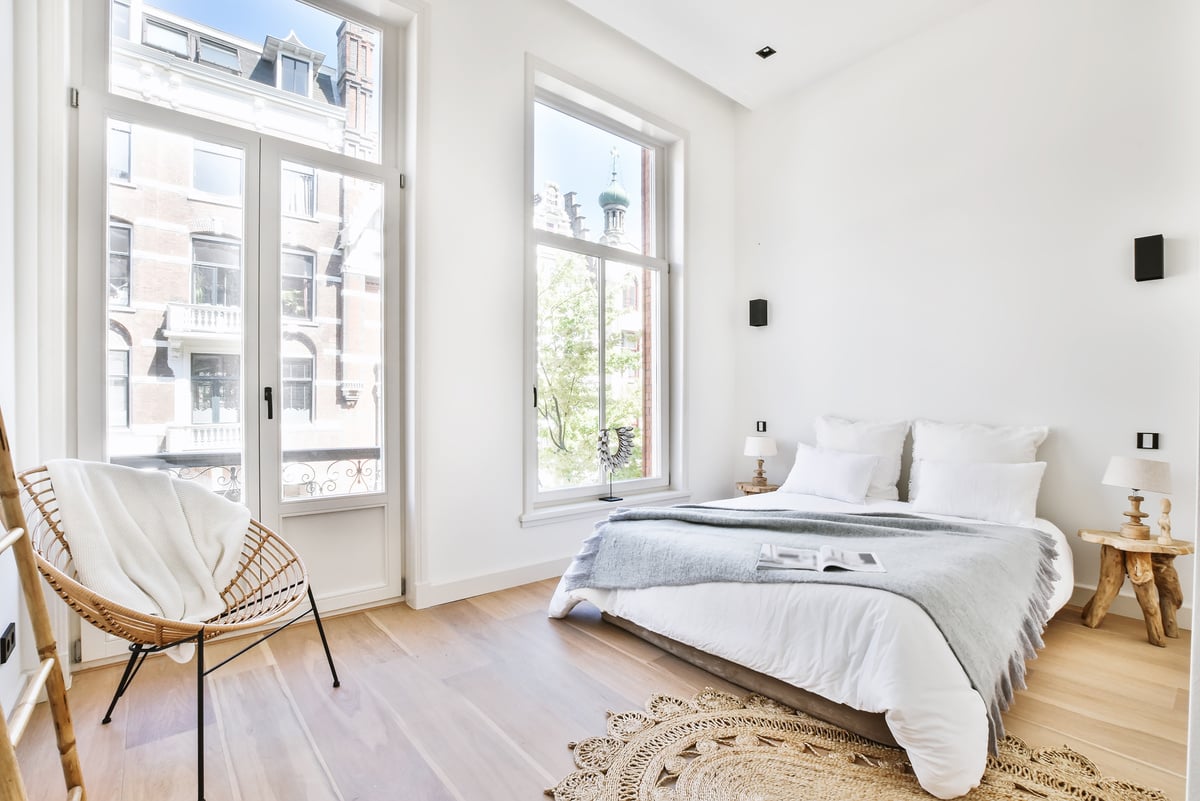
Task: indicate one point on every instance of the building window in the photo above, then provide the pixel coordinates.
(120, 19)
(218, 55)
(216, 272)
(299, 190)
(599, 302)
(165, 37)
(120, 153)
(118, 387)
(297, 268)
(297, 389)
(293, 75)
(119, 237)
(216, 170)
(216, 388)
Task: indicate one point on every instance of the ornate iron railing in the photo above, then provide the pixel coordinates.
(312, 473)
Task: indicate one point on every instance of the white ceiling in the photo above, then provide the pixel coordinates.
(716, 40)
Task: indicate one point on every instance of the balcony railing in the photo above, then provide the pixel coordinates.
(209, 437)
(194, 318)
(314, 473)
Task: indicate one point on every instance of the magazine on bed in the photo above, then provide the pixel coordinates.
(781, 557)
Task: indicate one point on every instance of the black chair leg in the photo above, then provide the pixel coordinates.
(131, 669)
(324, 642)
(200, 716)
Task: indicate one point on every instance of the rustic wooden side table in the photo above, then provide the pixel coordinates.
(1151, 567)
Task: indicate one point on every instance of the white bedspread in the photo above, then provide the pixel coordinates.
(813, 636)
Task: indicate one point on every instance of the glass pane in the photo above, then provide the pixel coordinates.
(217, 170)
(118, 265)
(568, 369)
(267, 54)
(119, 143)
(630, 381)
(182, 322)
(592, 184)
(165, 37)
(219, 55)
(331, 367)
(118, 388)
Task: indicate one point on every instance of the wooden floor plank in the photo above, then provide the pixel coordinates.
(478, 699)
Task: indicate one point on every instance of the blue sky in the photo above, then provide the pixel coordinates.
(253, 20)
(578, 157)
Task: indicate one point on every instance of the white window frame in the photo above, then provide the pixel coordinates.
(204, 41)
(155, 22)
(115, 223)
(124, 129)
(547, 85)
(311, 173)
(226, 152)
(311, 299)
(279, 73)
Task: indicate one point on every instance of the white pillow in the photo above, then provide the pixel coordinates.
(970, 442)
(830, 474)
(998, 492)
(884, 439)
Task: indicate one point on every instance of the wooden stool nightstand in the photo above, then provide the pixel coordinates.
(750, 488)
(1151, 567)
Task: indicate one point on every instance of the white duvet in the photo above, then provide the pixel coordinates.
(865, 648)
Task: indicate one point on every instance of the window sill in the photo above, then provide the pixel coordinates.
(592, 508)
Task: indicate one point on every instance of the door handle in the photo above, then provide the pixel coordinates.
(268, 396)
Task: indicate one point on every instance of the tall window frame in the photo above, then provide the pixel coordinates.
(547, 86)
(120, 271)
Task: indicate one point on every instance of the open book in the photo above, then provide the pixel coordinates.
(781, 557)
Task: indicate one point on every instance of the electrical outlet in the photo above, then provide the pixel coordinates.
(8, 643)
(760, 426)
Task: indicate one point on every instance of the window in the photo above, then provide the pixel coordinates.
(299, 190)
(293, 75)
(118, 387)
(165, 37)
(120, 153)
(216, 272)
(118, 264)
(600, 291)
(120, 19)
(216, 388)
(297, 284)
(218, 55)
(216, 170)
(297, 389)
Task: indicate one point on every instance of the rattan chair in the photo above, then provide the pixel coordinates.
(270, 582)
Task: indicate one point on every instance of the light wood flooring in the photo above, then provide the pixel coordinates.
(476, 701)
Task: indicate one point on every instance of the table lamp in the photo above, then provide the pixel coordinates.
(760, 447)
(1138, 475)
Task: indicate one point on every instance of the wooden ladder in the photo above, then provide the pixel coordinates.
(49, 674)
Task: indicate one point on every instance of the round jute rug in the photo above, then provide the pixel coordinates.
(719, 747)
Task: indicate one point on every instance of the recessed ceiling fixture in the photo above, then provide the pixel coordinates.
(766, 52)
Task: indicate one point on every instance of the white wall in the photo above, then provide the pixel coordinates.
(10, 590)
(945, 230)
(469, 194)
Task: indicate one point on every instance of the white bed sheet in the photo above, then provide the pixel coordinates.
(812, 636)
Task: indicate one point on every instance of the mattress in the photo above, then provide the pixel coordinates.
(862, 647)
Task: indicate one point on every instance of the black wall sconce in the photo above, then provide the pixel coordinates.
(1148, 258)
(758, 312)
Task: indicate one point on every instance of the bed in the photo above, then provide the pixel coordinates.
(810, 636)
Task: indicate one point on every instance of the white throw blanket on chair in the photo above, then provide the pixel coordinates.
(148, 541)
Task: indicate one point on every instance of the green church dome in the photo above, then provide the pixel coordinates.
(615, 195)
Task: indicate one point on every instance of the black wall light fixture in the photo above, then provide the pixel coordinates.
(1148, 258)
(765, 52)
(758, 312)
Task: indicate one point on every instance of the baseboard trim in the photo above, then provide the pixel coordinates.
(426, 594)
(1126, 605)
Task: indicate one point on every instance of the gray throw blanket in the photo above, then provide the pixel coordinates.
(986, 587)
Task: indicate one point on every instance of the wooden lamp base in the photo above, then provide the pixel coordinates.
(1135, 529)
(760, 478)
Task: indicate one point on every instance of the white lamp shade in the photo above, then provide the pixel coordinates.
(1138, 474)
(760, 447)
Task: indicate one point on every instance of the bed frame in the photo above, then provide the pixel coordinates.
(871, 725)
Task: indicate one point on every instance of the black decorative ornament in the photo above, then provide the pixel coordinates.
(611, 461)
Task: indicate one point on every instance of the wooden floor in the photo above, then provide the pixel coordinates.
(476, 700)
